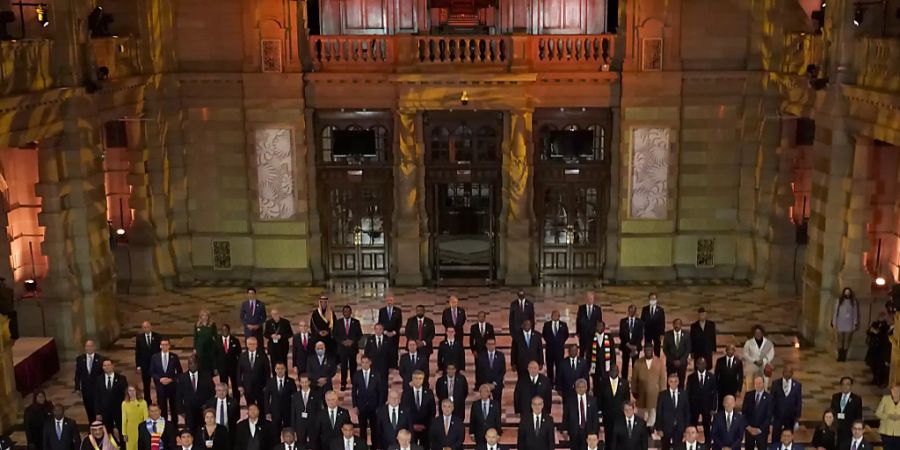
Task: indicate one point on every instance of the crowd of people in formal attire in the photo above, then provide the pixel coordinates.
(620, 390)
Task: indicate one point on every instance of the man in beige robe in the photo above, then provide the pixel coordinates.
(648, 380)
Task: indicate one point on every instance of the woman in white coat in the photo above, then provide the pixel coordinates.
(757, 356)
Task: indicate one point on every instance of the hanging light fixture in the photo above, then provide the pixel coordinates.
(42, 13)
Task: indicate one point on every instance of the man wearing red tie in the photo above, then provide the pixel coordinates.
(303, 346)
(227, 353)
(421, 330)
(347, 333)
(580, 416)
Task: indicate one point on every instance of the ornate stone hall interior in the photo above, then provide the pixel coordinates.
(160, 157)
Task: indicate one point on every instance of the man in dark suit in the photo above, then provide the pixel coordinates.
(847, 407)
(785, 441)
(390, 418)
(570, 370)
(277, 397)
(703, 337)
(856, 441)
(612, 392)
(672, 413)
(278, 333)
(451, 352)
(632, 433)
(329, 422)
(88, 368)
(254, 432)
(729, 374)
(787, 403)
(289, 440)
(677, 348)
(109, 394)
(421, 330)
(491, 441)
(479, 333)
(156, 424)
(419, 401)
(60, 432)
(447, 429)
(654, 318)
(253, 314)
(484, 415)
(378, 350)
(520, 309)
(305, 405)
(454, 387)
(690, 440)
(533, 384)
(526, 347)
(728, 427)
(404, 442)
(165, 367)
(581, 416)
(228, 351)
(702, 395)
(586, 320)
(602, 352)
(321, 369)
(346, 440)
(536, 428)
(194, 389)
(347, 333)
(303, 344)
(146, 344)
(391, 318)
(453, 316)
(555, 334)
(490, 369)
(253, 373)
(186, 440)
(368, 393)
(227, 409)
(631, 334)
(412, 361)
(757, 411)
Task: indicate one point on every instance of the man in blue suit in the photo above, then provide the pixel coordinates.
(728, 427)
(253, 314)
(757, 409)
(787, 400)
(165, 367)
(787, 441)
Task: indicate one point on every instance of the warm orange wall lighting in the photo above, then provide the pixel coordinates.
(20, 168)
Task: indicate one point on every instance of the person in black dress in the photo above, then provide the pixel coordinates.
(825, 438)
(210, 435)
(36, 414)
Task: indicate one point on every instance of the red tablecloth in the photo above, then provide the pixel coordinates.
(37, 368)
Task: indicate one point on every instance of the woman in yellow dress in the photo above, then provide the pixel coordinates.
(134, 412)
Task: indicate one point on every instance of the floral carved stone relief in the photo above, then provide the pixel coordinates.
(649, 173)
(275, 173)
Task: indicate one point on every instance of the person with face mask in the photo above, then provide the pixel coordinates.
(421, 330)
(654, 318)
(321, 369)
(845, 321)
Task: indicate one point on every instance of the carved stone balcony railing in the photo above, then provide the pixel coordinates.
(877, 63)
(119, 55)
(25, 66)
(802, 50)
(405, 53)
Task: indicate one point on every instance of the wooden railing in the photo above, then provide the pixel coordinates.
(877, 63)
(119, 55)
(406, 53)
(25, 66)
(802, 50)
(463, 50)
(563, 52)
(352, 53)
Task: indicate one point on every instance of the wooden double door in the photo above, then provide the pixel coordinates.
(356, 215)
(570, 223)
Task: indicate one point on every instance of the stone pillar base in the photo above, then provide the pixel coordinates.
(784, 260)
(409, 270)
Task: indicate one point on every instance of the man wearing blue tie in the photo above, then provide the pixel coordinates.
(253, 314)
(757, 410)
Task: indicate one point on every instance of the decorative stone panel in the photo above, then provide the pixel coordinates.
(706, 250)
(272, 55)
(649, 173)
(221, 255)
(275, 173)
(651, 54)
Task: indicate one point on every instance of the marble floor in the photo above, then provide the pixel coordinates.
(734, 308)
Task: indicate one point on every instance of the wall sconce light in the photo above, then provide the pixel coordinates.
(30, 285)
(858, 16)
(880, 281)
(796, 342)
(41, 13)
(120, 231)
(464, 98)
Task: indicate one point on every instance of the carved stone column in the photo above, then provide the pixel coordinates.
(141, 272)
(517, 215)
(408, 236)
(859, 215)
(9, 397)
(316, 266)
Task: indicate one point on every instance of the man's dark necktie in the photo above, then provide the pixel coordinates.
(393, 417)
